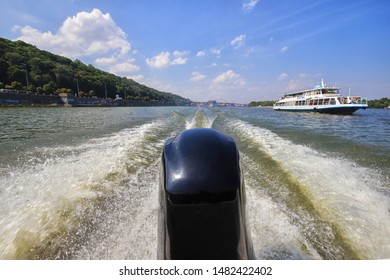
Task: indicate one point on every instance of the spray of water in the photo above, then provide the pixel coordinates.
(341, 192)
(98, 199)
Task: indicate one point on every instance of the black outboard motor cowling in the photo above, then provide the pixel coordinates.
(202, 198)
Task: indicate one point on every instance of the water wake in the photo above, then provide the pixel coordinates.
(57, 202)
(341, 193)
(97, 199)
(201, 119)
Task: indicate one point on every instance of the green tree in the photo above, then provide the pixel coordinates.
(49, 87)
(49, 72)
(16, 85)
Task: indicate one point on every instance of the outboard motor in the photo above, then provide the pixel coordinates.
(202, 199)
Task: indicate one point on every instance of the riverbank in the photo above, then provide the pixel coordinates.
(16, 99)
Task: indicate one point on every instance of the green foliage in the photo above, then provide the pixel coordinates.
(261, 103)
(51, 73)
(379, 103)
(14, 85)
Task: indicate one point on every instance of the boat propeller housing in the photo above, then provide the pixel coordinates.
(202, 198)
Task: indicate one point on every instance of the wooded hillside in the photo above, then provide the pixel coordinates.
(25, 67)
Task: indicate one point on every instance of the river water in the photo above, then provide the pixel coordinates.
(81, 183)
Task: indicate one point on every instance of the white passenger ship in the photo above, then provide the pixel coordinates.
(320, 99)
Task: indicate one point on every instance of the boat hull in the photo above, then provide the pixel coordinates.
(337, 110)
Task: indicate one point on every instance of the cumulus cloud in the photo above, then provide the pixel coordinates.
(201, 53)
(104, 61)
(248, 5)
(284, 49)
(228, 79)
(163, 59)
(179, 61)
(181, 53)
(124, 67)
(159, 61)
(216, 51)
(138, 78)
(86, 33)
(196, 76)
(239, 41)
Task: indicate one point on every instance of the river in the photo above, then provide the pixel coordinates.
(82, 183)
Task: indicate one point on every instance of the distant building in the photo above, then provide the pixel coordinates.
(212, 103)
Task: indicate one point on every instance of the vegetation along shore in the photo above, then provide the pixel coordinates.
(25, 69)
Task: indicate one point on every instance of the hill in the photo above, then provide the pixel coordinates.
(25, 67)
(261, 103)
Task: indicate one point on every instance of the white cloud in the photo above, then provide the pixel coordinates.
(106, 60)
(137, 78)
(201, 53)
(196, 76)
(216, 51)
(284, 49)
(249, 5)
(228, 79)
(124, 67)
(179, 61)
(159, 61)
(181, 53)
(239, 41)
(163, 60)
(85, 34)
(283, 76)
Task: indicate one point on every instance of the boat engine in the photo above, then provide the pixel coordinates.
(202, 199)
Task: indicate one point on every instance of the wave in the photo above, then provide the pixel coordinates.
(97, 199)
(345, 195)
(53, 201)
(201, 119)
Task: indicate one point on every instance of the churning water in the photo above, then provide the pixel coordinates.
(81, 183)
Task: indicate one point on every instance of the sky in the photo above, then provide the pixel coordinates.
(223, 50)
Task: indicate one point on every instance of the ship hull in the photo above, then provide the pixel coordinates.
(337, 110)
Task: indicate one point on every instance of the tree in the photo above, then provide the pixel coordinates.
(49, 72)
(15, 85)
(49, 87)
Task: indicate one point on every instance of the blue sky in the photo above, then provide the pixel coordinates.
(231, 50)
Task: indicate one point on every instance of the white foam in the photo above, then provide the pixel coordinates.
(344, 192)
(201, 119)
(40, 199)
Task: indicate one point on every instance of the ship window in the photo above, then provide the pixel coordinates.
(320, 102)
(326, 101)
(315, 102)
(333, 101)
